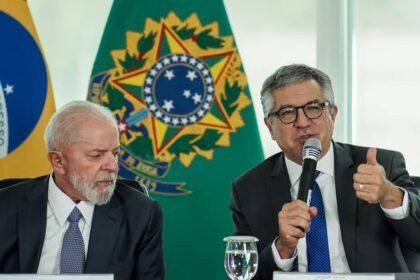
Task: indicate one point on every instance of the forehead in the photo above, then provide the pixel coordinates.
(97, 132)
(297, 94)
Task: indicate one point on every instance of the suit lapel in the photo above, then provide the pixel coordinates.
(278, 187)
(346, 200)
(106, 224)
(32, 221)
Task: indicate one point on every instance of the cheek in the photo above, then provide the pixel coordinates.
(282, 133)
(87, 173)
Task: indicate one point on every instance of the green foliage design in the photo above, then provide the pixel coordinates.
(131, 63)
(208, 141)
(232, 94)
(205, 41)
(146, 43)
(116, 99)
(182, 145)
(184, 33)
(142, 147)
(186, 143)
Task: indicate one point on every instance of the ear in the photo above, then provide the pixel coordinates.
(268, 125)
(57, 161)
(334, 111)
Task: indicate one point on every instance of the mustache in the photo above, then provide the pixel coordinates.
(109, 177)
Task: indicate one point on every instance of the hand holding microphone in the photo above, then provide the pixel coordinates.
(295, 217)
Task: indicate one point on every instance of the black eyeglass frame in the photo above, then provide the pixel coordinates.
(296, 108)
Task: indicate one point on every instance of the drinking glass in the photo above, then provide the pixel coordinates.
(241, 257)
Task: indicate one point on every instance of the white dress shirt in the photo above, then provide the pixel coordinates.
(326, 182)
(58, 209)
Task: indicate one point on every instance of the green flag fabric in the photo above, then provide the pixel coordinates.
(171, 73)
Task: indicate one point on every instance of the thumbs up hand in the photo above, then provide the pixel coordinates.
(371, 156)
(371, 184)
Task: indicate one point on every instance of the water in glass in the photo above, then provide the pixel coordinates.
(241, 257)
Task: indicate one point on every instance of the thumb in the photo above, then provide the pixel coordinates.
(313, 211)
(371, 156)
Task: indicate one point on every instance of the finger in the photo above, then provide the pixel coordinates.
(292, 231)
(359, 187)
(371, 156)
(296, 205)
(297, 232)
(359, 178)
(295, 223)
(289, 232)
(369, 198)
(297, 219)
(313, 211)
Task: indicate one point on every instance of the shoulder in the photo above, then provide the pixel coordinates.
(139, 210)
(16, 188)
(358, 153)
(14, 195)
(132, 198)
(260, 172)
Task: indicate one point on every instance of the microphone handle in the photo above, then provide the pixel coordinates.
(306, 178)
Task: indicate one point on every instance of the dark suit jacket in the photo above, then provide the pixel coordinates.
(125, 237)
(369, 238)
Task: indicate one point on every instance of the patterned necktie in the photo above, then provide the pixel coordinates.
(317, 238)
(73, 249)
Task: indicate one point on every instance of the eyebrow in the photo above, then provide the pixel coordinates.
(294, 106)
(105, 150)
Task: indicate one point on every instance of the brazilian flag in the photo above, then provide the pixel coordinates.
(26, 98)
(171, 73)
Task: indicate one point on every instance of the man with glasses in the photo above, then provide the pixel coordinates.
(368, 200)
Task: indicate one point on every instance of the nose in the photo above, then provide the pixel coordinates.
(301, 119)
(111, 163)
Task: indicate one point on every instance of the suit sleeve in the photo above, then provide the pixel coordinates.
(266, 263)
(241, 224)
(408, 229)
(150, 265)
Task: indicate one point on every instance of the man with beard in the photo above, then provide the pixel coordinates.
(80, 219)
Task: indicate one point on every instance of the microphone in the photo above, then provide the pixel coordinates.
(311, 154)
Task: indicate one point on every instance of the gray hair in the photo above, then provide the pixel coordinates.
(294, 74)
(62, 129)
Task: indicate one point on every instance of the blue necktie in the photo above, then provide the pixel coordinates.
(317, 238)
(73, 249)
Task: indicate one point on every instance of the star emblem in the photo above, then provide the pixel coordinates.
(166, 130)
(168, 105)
(8, 89)
(169, 74)
(196, 98)
(191, 75)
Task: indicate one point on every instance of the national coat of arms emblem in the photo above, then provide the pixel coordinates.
(177, 91)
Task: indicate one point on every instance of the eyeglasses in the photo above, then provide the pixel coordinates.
(312, 110)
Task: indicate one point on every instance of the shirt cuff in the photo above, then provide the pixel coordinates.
(401, 212)
(283, 264)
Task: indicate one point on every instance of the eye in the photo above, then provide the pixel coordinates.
(116, 153)
(313, 107)
(285, 112)
(96, 156)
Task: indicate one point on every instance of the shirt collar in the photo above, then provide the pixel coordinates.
(325, 165)
(62, 205)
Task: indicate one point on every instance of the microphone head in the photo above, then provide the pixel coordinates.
(312, 149)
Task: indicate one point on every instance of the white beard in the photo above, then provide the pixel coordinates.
(97, 196)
